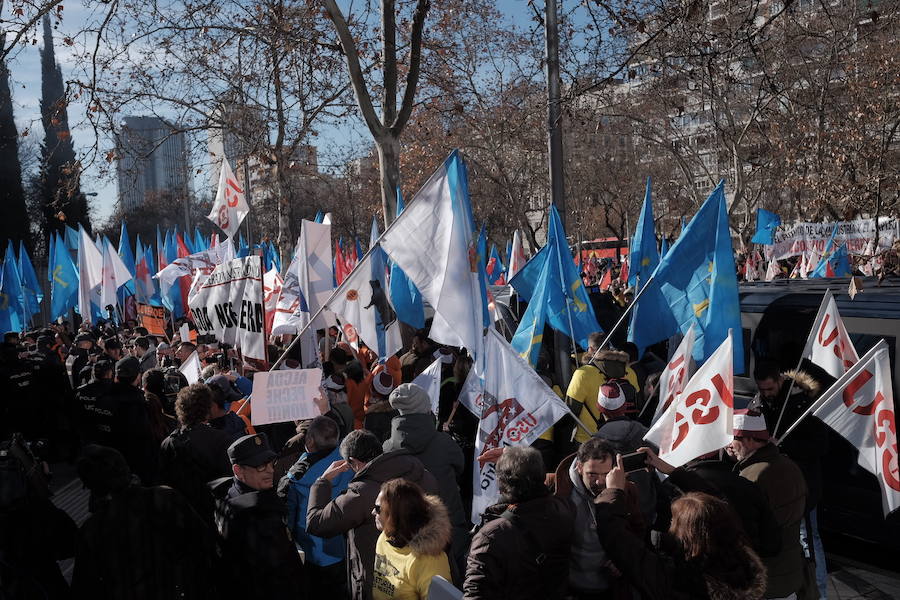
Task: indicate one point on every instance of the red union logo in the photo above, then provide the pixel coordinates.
(507, 411)
(223, 218)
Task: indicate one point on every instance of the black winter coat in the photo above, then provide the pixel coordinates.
(260, 559)
(521, 552)
(131, 433)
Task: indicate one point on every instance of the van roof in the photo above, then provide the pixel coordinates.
(873, 299)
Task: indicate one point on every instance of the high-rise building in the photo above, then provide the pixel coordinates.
(153, 159)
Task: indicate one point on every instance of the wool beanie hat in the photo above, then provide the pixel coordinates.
(410, 399)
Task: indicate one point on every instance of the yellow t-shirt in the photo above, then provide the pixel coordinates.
(402, 575)
(584, 387)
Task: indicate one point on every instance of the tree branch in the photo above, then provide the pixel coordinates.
(415, 58)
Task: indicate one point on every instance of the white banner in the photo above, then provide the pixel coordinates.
(802, 238)
(229, 305)
(280, 396)
(514, 405)
(700, 419)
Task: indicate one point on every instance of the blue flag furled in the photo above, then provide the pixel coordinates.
(12, 310)
(835, 262)
(568, 307)
(697, 285)
(199, 243)
(664, 247)
(127, 257)
(320, 216)
(766, 223)
(63, 282)
(683, 224)
(530, 333)
(243, 250)
(405, 295)
(495, 268)
(71, 238)
(173, 300)
(32, 293)
(643, 255)
(50, 254)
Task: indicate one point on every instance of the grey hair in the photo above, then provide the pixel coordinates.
(324, 433)
(520, 475)
(362, 445)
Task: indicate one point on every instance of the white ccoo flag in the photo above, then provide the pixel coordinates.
(230, 206)
(700, 419)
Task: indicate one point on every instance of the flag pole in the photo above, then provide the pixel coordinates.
(624, 315)
(842, 382)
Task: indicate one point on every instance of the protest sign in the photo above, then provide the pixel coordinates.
(229, 305)
(288, 395)
(153, 318)
(804, 238)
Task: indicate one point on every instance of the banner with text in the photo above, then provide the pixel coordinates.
(280, 396)
(802, 238)
(153, 318)
(229, 305)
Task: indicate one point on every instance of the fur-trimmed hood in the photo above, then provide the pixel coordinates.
(719, 590)
(434, 536)
(805, 382)
(614, 355)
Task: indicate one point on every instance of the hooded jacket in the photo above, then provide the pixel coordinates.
(660, 576)
(405, 572)
(442, 457)
(351, 512)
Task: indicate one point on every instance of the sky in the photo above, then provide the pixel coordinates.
(25, 83)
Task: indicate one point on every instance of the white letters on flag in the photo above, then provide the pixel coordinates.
(700, 418)
(365, 310)
(430, 381)
(860, 407)
(229, 304)
(829, 344)
(230, 206)
(191, 367)
(676, 374)
(432, 242)
(514, 407)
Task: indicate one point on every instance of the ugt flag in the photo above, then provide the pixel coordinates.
(829, 344)
(514, 405)
(697, 284)
(230, 206)
(700, 419)
(860, 407)
(676, 374)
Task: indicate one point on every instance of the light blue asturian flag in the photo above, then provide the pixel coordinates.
(643, 255)
(63, 282)
(12, 310)
(766, 223)
(404, 294)
(72, 237)
(569, 308)
(32, 293)
(835, 262)
(530, 333)
(433, 242)
(50, 255)
(697, 285)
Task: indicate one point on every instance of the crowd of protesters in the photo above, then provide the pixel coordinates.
(373, 499)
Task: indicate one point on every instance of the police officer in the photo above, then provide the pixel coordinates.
(84, 343)
(257, 549)
(93, 418)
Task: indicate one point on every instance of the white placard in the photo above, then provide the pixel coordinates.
(280, 396)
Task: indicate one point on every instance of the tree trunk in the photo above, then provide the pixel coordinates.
(389, 165)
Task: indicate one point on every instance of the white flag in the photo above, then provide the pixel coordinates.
(206, 261)
(860, 407)
(514, 405)
(773, 270)
(700, 419)
(432, 242)
(230, 206)
(829, 344)
(190, 368)
(272, 286)
(676, 374)
(315, 269)
(430, 381)
(90, 275)
(365, 309)
(517, 258)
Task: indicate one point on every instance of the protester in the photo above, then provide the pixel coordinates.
(221, 416)
(781, 480)
(195, 453)
(710, 558)
(143, 353)
(262, 560)
(379, 412)
(325, 558)
(415, 531)
(153, 382)
(351, 512)
(523, 547)
(579, 479)
(336, 389)
(139, 542)
(414, 430)
(419, 357)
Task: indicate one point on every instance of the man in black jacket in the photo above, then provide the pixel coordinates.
(257, 548)
(130, 431)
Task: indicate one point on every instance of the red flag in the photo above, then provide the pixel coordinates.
(623, 271)
(185, 282)
(340, 267)
(607, 279)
